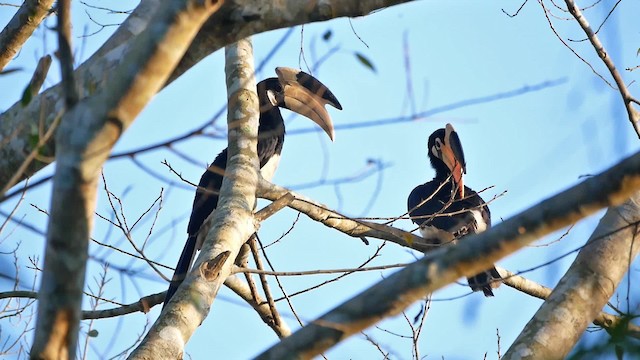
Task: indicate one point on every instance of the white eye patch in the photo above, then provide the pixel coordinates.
(435, 150)
(271, 95)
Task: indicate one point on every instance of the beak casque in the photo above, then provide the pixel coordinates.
(307, 96)
(453, 157)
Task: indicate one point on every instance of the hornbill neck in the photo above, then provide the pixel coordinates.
(271, 121)
(442, 171)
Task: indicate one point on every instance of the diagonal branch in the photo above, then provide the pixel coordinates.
(529, 287)
(351, 227)
(627, 98)
(19, 29)
(585, 288)
(445, 265)
(235, 20)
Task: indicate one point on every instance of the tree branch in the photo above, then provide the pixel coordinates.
(261, 307)
(85, 138)
(354, 228)
(234, 21)
(603, 319)
(445, 265)
(231, 223)
(585, 289)
(19, 29)
(633, 114)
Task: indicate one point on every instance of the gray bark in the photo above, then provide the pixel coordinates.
(586, 287)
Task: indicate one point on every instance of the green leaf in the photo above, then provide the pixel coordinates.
(327, 35)
(365, 61)
(93, 333)
(26, 96)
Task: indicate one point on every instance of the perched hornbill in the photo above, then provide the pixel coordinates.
(292, 89)
(444, 203)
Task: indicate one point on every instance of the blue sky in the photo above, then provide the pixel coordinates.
(532, 146)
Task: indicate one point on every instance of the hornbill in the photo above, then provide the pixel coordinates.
(445, 204)
(292, 89)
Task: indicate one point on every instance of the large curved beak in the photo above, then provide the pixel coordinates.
(307, 96)
(453, 157)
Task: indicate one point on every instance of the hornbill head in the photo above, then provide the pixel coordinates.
(447, 157)
(300, 92)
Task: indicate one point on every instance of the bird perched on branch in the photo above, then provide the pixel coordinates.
(292, 89)
(446, 204)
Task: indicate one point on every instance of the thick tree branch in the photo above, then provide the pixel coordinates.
(19, 29)
(232, 221)
(85, 138)
(603, 319)
(585, 289)
(633, 114)
(234, 21)
(445, 265)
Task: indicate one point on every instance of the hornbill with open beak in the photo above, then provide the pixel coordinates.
(292, 89)
(445, 204)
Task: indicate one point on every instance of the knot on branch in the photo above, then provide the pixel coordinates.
(210, 270)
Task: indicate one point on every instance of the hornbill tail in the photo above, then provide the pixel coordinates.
(307, 96)
(485, 281)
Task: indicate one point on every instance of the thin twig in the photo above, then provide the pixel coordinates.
(633, 114)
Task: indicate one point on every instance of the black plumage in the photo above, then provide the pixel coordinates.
(292, 89)
(446, 204)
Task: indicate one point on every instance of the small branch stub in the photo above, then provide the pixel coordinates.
(210, 270)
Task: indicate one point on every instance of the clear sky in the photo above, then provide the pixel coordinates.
(532, 146)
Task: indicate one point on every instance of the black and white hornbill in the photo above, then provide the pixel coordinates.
(292, 89)
(445, 204)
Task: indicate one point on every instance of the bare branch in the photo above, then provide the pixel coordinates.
(633, 114)
(529, 287)
(231, 223)
(19, 29)
(261, 307)
(444, 266)
(354, 228)
(65, 53)
(585, 289)
(86, 135)
(226, 26)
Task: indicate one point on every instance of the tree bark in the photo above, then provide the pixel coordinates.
(443, 266)
(234, 21)
(86, 136)
(231, 223)
(584, 289)
(20, 28)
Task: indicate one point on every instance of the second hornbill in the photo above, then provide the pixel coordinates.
(445, 204)
(292, 89)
